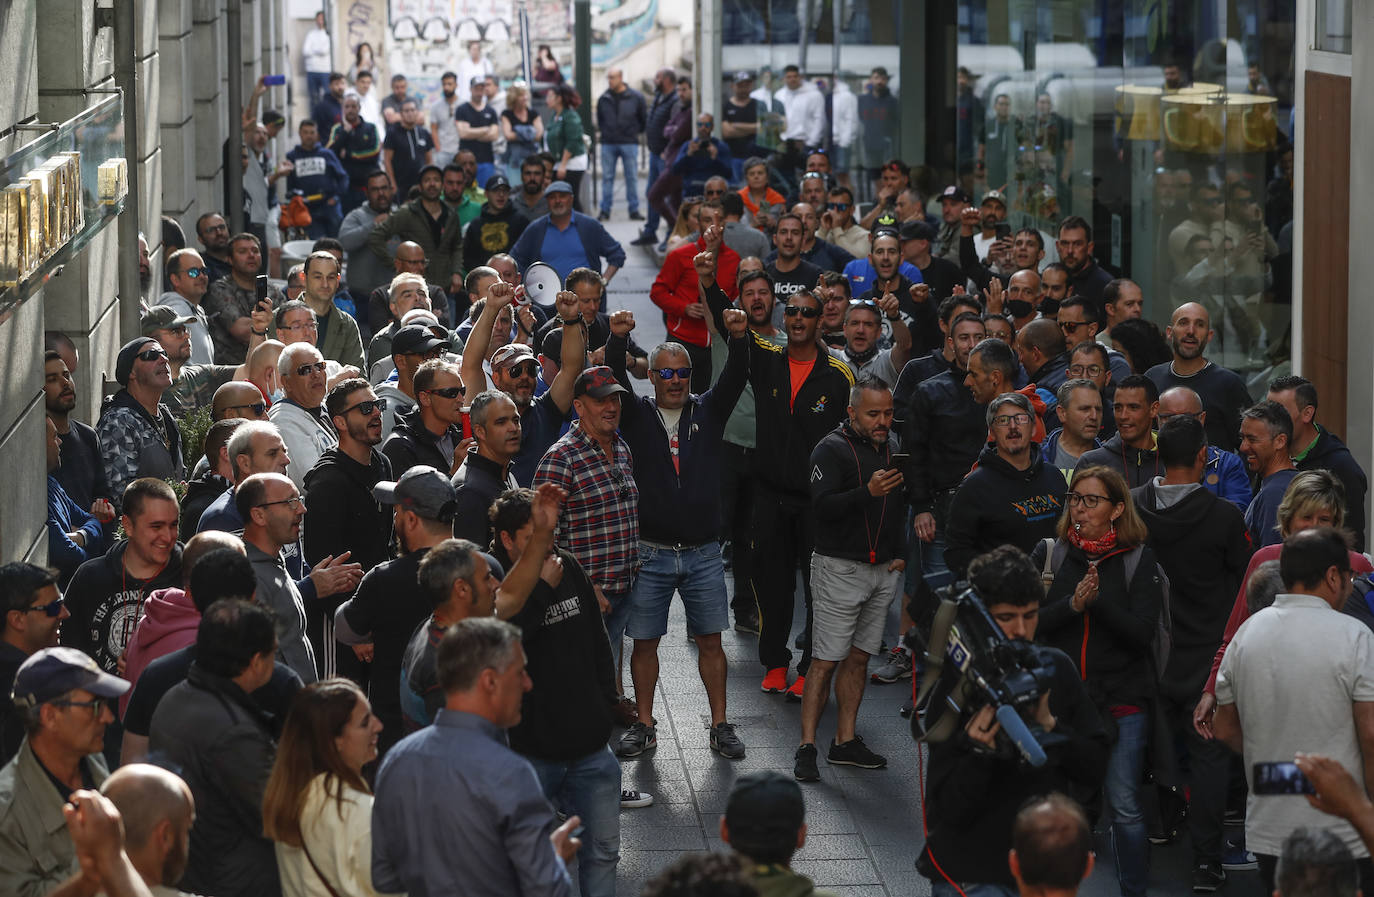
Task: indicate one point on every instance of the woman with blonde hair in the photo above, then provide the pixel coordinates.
(1103, 610)
(522, 127)
(687, 224)
(317, 807)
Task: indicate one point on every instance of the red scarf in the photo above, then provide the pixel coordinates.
(1093, 548)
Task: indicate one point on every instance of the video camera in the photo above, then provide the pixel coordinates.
(971, 664)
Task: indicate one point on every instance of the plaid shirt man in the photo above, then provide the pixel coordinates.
(599, 522)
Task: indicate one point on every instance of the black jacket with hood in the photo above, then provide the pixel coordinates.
(340, 512)
(1000, 505)
(410, 443)
(1329, 453)
(849, 522)
(1202, 544)
(105, 603)
(1138, 466)
(945, 432)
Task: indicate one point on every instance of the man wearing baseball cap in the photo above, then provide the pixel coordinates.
(411, 346)
(138, 435)
(64, 700)
(765, 821)
(953, 201)
(478, 128)
(496, 228)
(193, 384)
(566, 239)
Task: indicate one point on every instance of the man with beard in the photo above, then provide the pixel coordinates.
(1222, 391)
(591, 296)
(158, 810)
(879, 114)
(918, 370)
(213, 233)
(431, 433)
(942, 274)
(566, 239)
(1075, 246)
(34, 614)
(856, 508)
(892, 276)
(498, 226)
(798, 392)
(443, 123)
(953, 203)
(428, 222)
(358, 147)
(514, 371)
(838, 226)
(138, 436)
(1131, 452)
(407, 150)
(73, 535)
(190, 279)
(863, 323)
(675, 291)
(80, 470)
(1013, 496)
(460, 194)
(1078, 321)
(193, 385)
(231, 301)
(530, 200)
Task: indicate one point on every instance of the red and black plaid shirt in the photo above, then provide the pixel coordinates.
(599, 522)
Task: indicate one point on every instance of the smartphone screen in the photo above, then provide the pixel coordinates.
(900, 459)
(1281, 778)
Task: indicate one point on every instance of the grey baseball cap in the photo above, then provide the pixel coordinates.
(421, 489)
(52, 672)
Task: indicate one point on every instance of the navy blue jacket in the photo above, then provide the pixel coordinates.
(318, 174)
(680, 507)
(597, 242)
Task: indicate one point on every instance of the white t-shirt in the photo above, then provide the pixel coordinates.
(1292, 672)
(467, 70)
(315, 49)
(670, 418)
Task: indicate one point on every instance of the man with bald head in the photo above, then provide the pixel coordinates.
(262, 367)
(238, 399)
(158, 811)
(1040, 346)
(213, 476)
(1224, 475)
(273, 510)
(408, 258)
(621, 115)
(305, 428)
(1022, 297)
(1222, 391)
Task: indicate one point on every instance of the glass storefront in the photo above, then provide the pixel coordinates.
(1165, 124)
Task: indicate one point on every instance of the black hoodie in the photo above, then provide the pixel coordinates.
(340, 512)
(849, 522)
(492, 231)
(411, 443)
(1202, 544)
(105, 603)
(1138, 466)
(1329, 453)
(1000, 505)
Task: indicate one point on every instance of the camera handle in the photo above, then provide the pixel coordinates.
(1020, 735)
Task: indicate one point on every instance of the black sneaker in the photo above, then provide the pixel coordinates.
(805, 769)
(854, 753)
(636, 740)
(725, 742)
(1208, 877)
(644, 240)
(747, 621)
(604, 216)
(636, 216)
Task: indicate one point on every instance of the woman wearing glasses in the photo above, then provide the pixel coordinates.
(317, 807)
(1103, 610)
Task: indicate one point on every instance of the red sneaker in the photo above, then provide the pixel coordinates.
(794, 693)
(776, 681)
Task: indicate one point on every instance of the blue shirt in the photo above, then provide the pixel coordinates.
(1262, 517)
(563, 249)
(861, 274)
(458, 812)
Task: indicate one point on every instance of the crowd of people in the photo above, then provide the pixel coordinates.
(368, 636)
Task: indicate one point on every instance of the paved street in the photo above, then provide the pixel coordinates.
(865, 826)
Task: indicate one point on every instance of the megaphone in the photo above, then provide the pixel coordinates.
(542, 285)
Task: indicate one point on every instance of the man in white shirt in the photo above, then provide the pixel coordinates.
(804, 108)
(318, 60)
(442, 125)
(844, 131)
(1299, 676)
(475, 66)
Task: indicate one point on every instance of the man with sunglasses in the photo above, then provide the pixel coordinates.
(193, 385)
(838, 226)
(485, 471)
(63, 698)
(34, 612)
(238, 399)
(138, 435)
(1078, 321)
(299, 416)
(413, 346)
(190, 280)
(432, 433)
(863, 325)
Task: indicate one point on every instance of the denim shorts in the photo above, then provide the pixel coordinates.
(695, 572)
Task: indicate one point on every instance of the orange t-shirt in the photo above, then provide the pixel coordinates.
(799, 370)
(770, 197)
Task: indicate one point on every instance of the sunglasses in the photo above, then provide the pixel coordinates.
(448, 392)
(368, 407)
(1071, 327)
(318, 366)
(255, 407)
(838, 206)
(670, 373)
(813, 175)
(524, 369)
(52, 608)
(196, 272)
(623, 486)
(805, 311)
(151, 355)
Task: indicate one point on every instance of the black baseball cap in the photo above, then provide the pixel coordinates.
(52, 672)
(765, 811)
(423, 490)
(415, 339)
(495, 181)
(917, 230)
(954, 191)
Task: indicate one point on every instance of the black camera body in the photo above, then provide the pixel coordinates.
(971, 664)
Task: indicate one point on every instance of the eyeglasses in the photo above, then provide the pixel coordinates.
(524, 369)
(1071, 327)
(805, 311)
(95, 705)
(52, 608)
(670, 373)
(448, 392)
(196, 272)
(838, 206)
(367, 407)
(308, 325)
(294, 503)
(255, 407)
(305, 369)
(1085, 370)
(1086, 499)
(1003, 420)
(151, 355)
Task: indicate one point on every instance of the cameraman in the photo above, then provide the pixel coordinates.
(976, 785)
(702, 158)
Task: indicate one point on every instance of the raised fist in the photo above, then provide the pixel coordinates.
(705, 263)
(622, 322)
(565, 303)
(500, 294)
(736, 322)
(920, 292)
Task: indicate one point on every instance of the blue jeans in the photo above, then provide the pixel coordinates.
(694, 572)
(317, 85)
(1125, 766)
(651, 218)
(971, 889)
(628, 154)
(484, 171)
(325, 220)
(590, 788)
(615, 622)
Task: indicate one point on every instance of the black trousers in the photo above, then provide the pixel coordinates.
(1207, 778)
(736, 503)
(782, 539)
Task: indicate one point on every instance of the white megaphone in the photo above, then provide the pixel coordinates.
(542, 284)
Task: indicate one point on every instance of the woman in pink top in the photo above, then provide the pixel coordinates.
(1314, 498)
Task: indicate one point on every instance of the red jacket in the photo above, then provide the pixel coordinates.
(675, 288)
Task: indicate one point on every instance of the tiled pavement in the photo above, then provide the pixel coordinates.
(864, 825)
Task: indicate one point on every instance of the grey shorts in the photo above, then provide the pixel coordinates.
(849, 603)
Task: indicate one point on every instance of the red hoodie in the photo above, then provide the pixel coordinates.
(676, 287)
(168, 624)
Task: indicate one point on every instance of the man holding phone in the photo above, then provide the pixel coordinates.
(1300, 700)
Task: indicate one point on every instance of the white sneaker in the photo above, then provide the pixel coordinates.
(630, 799)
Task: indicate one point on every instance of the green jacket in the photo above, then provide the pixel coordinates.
(343, 341)
(36, 853)
(780, 881)
(565, 132)
(411, 222)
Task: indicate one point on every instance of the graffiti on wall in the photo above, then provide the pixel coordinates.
(358, 22)
(619, 26)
